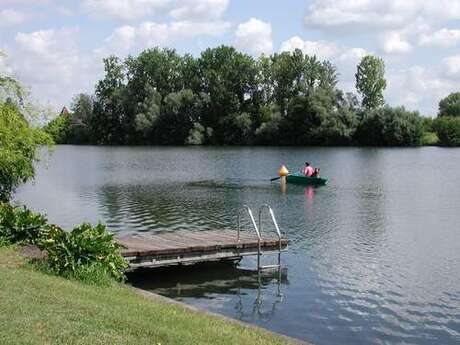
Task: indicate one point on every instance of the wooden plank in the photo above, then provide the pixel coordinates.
(189, 244)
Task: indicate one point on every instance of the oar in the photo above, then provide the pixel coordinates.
(277, 178)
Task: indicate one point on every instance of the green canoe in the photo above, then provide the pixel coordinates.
(299, 178)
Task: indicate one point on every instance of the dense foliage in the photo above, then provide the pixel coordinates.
(86, 253)
(448, 130)
(390, 126)
(58, 129)
(370, 81)
(20, 225)
(225, 97)
(19, 149)
(83, 252)
(450, 106)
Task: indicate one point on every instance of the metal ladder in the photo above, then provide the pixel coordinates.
(258, 231)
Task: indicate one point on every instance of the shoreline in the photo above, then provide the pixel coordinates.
(40, 308)
(32, 252)
(153, 296)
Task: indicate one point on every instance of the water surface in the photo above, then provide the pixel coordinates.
(374, 256)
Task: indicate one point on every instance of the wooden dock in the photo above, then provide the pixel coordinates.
(189, 247)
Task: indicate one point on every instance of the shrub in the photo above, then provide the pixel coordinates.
(84, 252)
(20, 225)
(429, 139)
(390, 127)
(448, 130)
(4, 242)
(58, 129)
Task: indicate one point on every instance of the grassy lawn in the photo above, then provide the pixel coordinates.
(41, 309)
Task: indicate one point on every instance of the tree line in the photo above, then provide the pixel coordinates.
(226, 97)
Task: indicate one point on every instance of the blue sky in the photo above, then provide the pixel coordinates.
(56, 47)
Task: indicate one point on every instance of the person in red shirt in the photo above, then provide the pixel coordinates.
(307, 170)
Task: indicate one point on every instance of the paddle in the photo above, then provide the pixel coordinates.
(276, 178)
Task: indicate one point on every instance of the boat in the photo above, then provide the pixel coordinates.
(299, 178)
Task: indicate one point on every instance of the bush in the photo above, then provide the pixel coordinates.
(448, 130)
(390, 127)
(86, 253)
(429, 139)
(4, 242)
(20, 225)
(58, 129)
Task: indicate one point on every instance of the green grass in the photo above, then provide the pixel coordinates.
(37, 308)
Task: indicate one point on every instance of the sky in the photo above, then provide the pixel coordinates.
(56, 47)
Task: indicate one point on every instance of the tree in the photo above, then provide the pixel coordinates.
(268, 130)
(19, 149)
(322, 117)
(370, 81)
(79, 131)
(109, 123)
(237, 129)
(19, 141)
(390, 127)
(450, 106)
(147, 113)
(448, 130)
(58, 129)
(228, 77)
(180, 110)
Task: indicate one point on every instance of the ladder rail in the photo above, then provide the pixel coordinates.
(253, 221)
(278, 233)
(258, 230)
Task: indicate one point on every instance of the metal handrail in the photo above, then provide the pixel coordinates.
(254, 224)
(266, 206)
(251, 216)
(278, 232)
(258, 230)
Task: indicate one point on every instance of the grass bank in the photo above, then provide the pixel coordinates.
(40, 309)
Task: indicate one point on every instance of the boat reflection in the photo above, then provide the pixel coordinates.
(207, 280)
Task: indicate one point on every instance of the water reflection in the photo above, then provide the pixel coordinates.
(207, 281)
(309, 193)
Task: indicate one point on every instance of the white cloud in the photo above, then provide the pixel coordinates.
(452, 66)
(199, 9)
(132, 39)
(124, 9)
(443, 38)
(254, 37)
(375, 14)
(393, 42)
(49, 62)
(419, 88)
(11, 17)
(323, 50)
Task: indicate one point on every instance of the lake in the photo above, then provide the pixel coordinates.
(374, 256)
